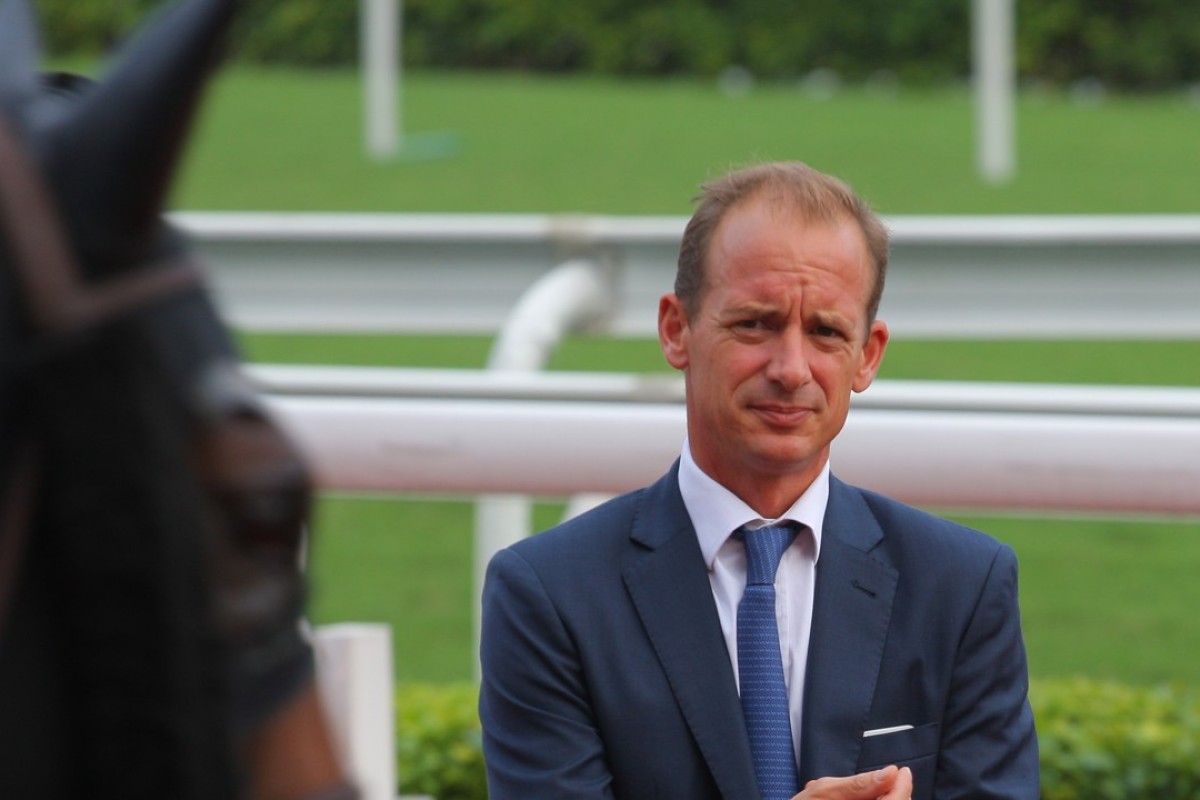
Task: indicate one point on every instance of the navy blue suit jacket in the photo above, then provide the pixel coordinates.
(605, 674)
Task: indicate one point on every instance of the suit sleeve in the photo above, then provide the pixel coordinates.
(539, 735)
(989, 746)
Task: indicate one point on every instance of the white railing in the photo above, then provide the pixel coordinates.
(963, 277)
(1004, 447)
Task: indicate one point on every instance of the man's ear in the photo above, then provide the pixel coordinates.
(673, 331)
(872, 355)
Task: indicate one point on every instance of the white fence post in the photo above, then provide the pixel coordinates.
(994, 66)
(379, 44)
(354, 668)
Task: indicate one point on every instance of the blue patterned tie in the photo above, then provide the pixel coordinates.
(760, 668)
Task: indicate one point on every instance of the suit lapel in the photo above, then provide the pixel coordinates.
(852, 608)
(668, 582)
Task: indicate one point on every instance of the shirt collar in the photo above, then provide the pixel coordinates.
(717, 512)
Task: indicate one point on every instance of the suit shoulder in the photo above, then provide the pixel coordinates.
(911, 525)
(597, 527)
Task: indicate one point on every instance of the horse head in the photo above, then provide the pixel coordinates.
(151, 512)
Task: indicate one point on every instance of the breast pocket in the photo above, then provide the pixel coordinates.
(915, 748)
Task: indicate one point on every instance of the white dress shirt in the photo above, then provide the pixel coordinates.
(716, 513)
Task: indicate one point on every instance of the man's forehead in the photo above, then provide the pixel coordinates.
(754, 239)
(750, 264)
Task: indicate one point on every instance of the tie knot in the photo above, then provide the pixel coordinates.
(764, 548)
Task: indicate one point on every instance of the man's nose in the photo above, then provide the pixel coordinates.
(789, 365)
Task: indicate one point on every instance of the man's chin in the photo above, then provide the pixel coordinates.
(787, 456)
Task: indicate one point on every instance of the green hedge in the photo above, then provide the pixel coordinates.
(1099, 741)
(1125, 43)
(295, 32)
(438, 744)
(1104, 740)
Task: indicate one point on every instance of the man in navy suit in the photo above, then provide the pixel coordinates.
(610, 643)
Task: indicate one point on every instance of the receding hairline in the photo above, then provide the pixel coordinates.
(812, 195)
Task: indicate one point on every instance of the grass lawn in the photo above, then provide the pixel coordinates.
(1153, 363)
(280, 140)
(1104, 598)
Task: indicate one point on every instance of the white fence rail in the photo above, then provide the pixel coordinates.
(965, 277)
(1062, 449)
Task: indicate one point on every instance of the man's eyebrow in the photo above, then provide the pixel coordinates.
(755, 307)
(833, 319)
(830, 315)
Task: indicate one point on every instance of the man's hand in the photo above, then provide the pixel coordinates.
(888, 783)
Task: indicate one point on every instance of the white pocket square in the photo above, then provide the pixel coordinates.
(885, 731)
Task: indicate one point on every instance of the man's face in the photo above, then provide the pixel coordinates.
(777, 343)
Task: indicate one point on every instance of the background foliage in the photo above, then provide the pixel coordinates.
(438, 741)
(1131, 44)
(1098, 740)
(1105, 740)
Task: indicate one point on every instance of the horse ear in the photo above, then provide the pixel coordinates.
(112, 160)
(20, 50)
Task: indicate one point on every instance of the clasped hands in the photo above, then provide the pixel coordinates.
(889, 783)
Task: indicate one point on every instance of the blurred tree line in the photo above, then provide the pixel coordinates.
(1126, 44)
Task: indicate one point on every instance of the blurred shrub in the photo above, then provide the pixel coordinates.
(1099, 741)
(302, 32)
(75, 28)
(438, 747)
(1131, 44)
(1105, 740)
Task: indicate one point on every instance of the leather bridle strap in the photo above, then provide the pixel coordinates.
(57, 299)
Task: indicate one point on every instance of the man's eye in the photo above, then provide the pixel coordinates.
(750, 324)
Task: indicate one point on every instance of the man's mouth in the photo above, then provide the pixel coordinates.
(782, 415)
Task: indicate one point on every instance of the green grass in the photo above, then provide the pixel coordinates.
(1103, 598)
(406, 562)
(1108, 599)
(1131, 363)
(1148, 363)
(279, 140)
